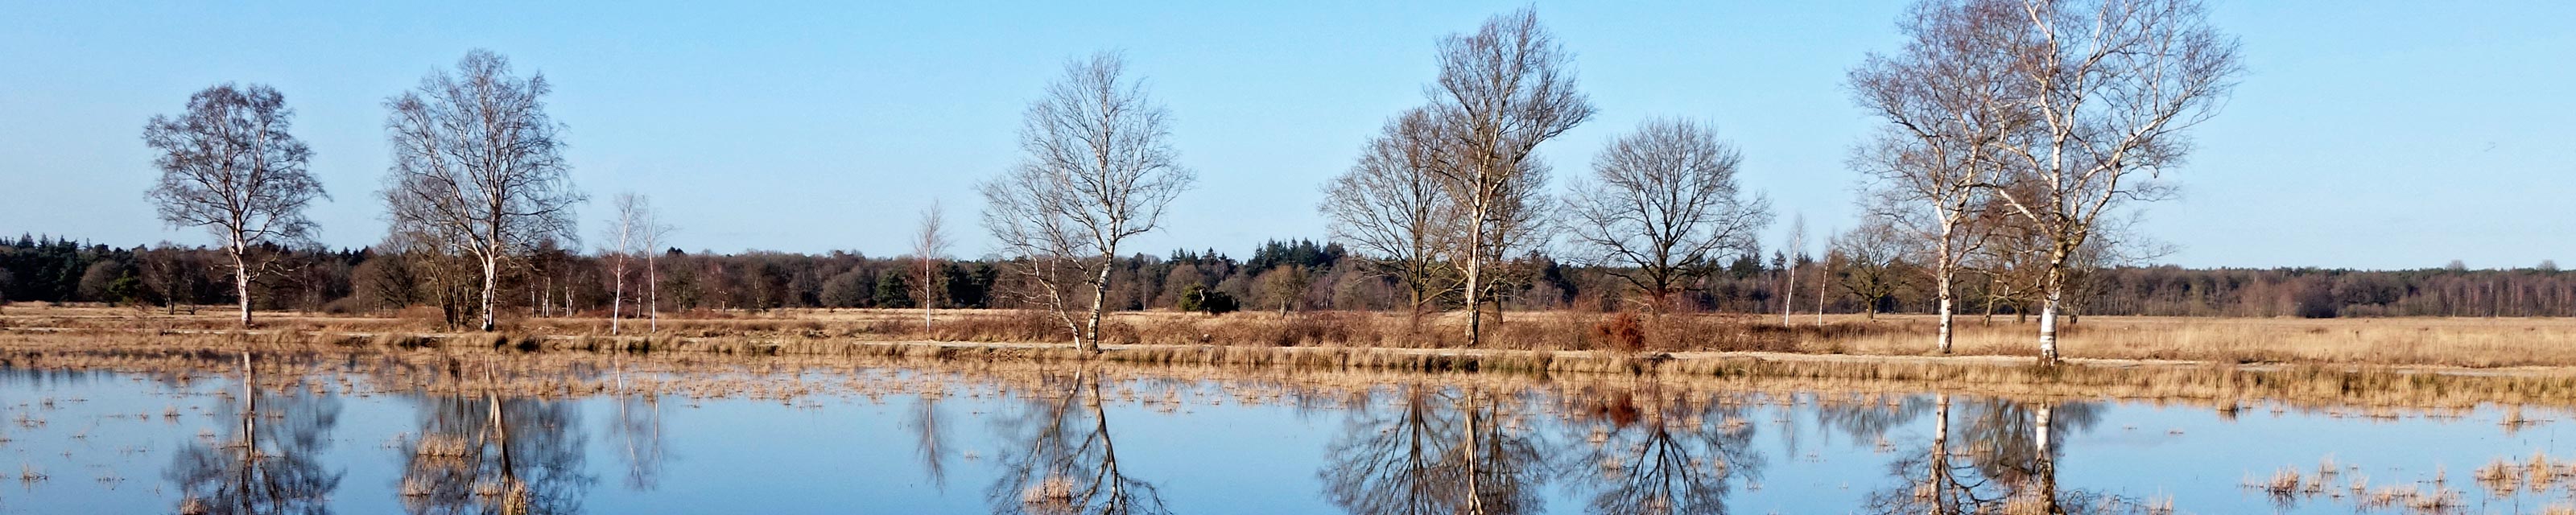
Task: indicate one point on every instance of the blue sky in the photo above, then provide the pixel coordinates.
(2365, 135)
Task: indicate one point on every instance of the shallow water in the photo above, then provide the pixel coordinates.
(1087, 441)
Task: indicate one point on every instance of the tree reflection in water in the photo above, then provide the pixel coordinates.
(494, 455)
(1995, 456)
(265, 464)
(1064, 461)
(1434, 451)
(1649, 452)
(930, 439)
(638, 431)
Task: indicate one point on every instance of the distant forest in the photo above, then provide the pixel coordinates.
(1280, 275)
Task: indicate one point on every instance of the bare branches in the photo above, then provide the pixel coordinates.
(1099, 168)
(2053, 111)
(1502, 90)
(1392, 207)
(229, 165)
(929, 247)
(2112, 85)
(622, 239)
(1949, 102)
(477, 165)
(1663, 208)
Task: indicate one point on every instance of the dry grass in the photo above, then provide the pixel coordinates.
(2451, 342)
(529, 365)
(2385, 362)
(2538, 476)
(2459, 342)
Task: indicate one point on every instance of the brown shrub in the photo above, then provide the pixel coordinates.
(1623, 331)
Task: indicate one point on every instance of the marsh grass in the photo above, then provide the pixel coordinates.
(2391, 362)
(2538, 475)
(2453, 342)
(791, 368)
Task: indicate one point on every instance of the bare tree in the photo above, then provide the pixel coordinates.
(477, 169)
(1797, 251)
(1284, 287)
(650, 238)
(1391, 206)
(1502, 90)
(929, 249)
(1872, 261)
(229, 165)
(2112, 86)
(1946, 105)
(622, 238)
(1666, 210)
(1100, 169)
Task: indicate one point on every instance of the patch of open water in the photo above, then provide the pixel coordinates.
(1086, 442)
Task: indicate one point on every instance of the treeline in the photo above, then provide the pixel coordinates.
(1295, 275)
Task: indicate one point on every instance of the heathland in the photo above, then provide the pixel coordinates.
(2381, 361)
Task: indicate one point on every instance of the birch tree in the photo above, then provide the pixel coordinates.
(929, 249)
(1945, 102)
(1099, 169)
(477, 168)
(651, 238)
(2112, 87)
(1797, 253)
(1502, 90)
(229, 164)
(622, 240)
(1663, 209)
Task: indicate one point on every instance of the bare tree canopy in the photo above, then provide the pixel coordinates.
(2112, 86)
(1663, 209)
(477, 168)
(1947, 101)
(1502, 90)
(229, 165)
(623, 238)
(1099, 168)
(1392, 207)
(929, 249)
(650, 236)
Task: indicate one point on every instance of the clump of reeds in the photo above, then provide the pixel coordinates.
(1051, 495)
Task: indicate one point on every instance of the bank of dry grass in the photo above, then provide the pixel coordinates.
(2449, 342)
(572, 365)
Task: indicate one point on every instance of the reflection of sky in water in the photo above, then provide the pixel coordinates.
(855, 454)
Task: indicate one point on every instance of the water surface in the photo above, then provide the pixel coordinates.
(892, 439)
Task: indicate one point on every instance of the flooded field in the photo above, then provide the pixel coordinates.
(892, 438)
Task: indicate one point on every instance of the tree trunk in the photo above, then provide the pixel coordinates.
(1949, 314)
(2048, 329)
(241, 285)
(1413, 316)
(491, 284)
(652, 296)
(1821, 275)
(1475, 280)
(1089, 341)
(617, 296)
(1789, 295)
